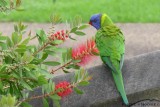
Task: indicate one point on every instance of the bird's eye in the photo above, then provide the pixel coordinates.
(94, 20)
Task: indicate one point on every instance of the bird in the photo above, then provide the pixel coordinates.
(110, 42)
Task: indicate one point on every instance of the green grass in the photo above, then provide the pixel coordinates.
(118, 10)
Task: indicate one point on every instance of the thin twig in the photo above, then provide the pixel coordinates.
(61, 67)
(40, 49)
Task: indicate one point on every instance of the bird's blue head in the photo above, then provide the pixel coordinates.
(95, 21)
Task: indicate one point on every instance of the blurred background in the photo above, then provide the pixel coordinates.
(123, 11)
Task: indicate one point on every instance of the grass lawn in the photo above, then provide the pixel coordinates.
(118, 10)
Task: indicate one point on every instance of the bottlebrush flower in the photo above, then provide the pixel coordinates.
(85, 52)
(59, 35)
(64, 88)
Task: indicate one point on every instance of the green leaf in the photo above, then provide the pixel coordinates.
(20, 50)
(42, 37)
(11, 89)
(22, 46)
(65, 71)
(51, 63)
(31, 74)
(56, 42)
(55, 97)
(25, 85)
(69, 54)
(52, 53)
(42, 80)
(33, 66)
(84, 83)
(3, 37)
(75, 76)
(83, 27)
(3, 45)
(36, 61)
(27, 58)
(15, 28)
(3, 67)
(6, 76)
(76, 61)
(9, 42)
(71, 38)
(45, 103)
(50, 87)
(60, 49)
(56, 103)
(16, 38)
(46, 73)
(26, 68)
(19, 38)
(73, 66)
(79, 33)
(26, 41)
(45, 55)
(25, 104)
(8, 60)
(78, 91)
(73, 29)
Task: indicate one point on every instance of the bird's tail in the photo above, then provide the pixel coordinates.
(119, 83)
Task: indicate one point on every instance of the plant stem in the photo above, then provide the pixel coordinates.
(40, 49)
(61, 67)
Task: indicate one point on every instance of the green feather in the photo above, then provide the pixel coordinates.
(119, 84)
(111, 45)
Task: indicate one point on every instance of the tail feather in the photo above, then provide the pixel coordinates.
(120, 86)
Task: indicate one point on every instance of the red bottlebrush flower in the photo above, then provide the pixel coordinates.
(59, 35)
(64, 87)
(85, 52)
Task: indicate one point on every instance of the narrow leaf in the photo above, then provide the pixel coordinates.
(9, 42)
(79, 33)
(56, 42)
(55, 97)
(15, 37)
(71, 38)
(25, 104)
(84, 83)
(45, 103)
(25, 85)
(51, 63)
(83, 27)
(78, 91)
(73, 29)
(3, 37)
(65, 71)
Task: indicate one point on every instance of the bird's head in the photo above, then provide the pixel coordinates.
(99, 20)
(95, 21)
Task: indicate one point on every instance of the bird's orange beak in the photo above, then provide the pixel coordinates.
(90, 23)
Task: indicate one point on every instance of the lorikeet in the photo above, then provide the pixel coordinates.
(111, 45)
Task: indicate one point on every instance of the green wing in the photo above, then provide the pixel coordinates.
(110, 42)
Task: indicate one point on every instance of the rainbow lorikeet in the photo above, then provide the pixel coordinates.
(111, 45)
